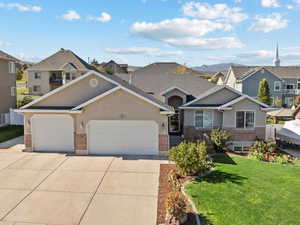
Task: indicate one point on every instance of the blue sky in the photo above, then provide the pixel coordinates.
(139, 32)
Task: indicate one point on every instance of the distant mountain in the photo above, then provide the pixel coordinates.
(215, 67)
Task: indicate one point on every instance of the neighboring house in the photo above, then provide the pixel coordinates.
(228, 109)
(97, 114)
(171, 83)
(114, 68)
(7, 85)
(54, 71)
(284, 81)
(218, 78)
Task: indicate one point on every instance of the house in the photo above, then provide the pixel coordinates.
(284, 81)
(8, 85)
(218, 78)
(173, 84)
(114, 68)
(97, 114)
(54, 71)
(228, 109)
(104, 114)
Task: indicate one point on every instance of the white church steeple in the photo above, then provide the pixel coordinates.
(276, 60)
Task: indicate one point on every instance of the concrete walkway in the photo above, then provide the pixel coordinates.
(48, 189)
(12, 142)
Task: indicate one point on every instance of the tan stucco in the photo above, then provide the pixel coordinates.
(220, 97)
(120, 105)
(77, 93)
(175, 92)
(7, 80)
(229, 116)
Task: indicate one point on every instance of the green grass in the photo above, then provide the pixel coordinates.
(242, 191)
(9, 132)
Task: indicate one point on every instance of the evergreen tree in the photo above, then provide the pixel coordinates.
(263, 94)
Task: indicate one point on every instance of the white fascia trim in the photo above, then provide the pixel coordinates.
(242, 98)
(268, 109)
(212, 91)
(69, 84)
(172, 88)
(216, 108)
(167, 112)
(256, 71)
(97, 98)
(46, 111)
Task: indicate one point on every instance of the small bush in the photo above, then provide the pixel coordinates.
(263, 147)
(176, 206)
(191, 158)
(173, 178)
(219, 139)
(25, 101)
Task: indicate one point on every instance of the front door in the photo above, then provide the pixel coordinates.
(174, 122)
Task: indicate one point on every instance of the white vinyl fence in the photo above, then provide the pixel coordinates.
(271, 130)
(15, 118)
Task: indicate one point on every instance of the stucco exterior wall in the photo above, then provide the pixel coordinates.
(43, 82)
(220, 97)
(79, 93)
(7, 80)
(175, 92)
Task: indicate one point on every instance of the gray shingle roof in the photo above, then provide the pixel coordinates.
(292, 72)
(158, 77)
(61, 58)
(4, 55)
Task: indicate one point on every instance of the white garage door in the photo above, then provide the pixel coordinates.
(52, 133)
(123, 137)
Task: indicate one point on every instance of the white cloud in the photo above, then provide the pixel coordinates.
(4, 43)
(269, 23)
(297, 1)
(144, 51)
(71, 15)
(103, 18)
(186, 33)
(20, 7)
(237, 1)
(217, 11)
(289, 6)
(270, 3)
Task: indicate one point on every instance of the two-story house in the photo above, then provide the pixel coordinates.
(54, 71)
(7, 85)
(283, 81)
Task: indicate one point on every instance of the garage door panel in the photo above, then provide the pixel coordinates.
(123, 137)
(53, 133)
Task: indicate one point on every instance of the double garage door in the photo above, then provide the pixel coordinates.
(55, 133)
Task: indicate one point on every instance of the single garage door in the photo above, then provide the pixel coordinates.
(123, 137)
(52, 133)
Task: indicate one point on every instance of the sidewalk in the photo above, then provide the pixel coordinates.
(12, 142)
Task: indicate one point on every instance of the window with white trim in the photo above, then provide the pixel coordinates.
(36, 88)
(203, 119)
(11, 67)
(277, 85)
(13, 91)
(244, 119)
(37, 75)
(298, 84)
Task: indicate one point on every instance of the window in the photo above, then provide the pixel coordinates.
(37, 75)
(13, 91)
(245, 119)
(68, 76)
(36, 88)
(73, 76)
(298, 84)
(203, 119)
(277, 86)
(290, 86)
(241, 149)
(11, 67)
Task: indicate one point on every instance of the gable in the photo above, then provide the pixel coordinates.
(218, 98)
(77, 93)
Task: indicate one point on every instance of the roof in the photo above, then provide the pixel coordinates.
(282, 113)
(292, 72)
(158, 77)
(59, 59)
(4, 55)
(113, 79)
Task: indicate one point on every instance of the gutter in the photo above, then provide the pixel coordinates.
(46, 111)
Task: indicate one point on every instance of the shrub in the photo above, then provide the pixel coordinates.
(219, 139)
(25, 101)
(176, 206)
(191, 158)
(263, 147)
(173, 178)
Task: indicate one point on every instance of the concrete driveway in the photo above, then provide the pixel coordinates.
(55, 189)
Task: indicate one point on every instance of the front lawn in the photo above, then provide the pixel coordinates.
(242, 191)
(9, 132)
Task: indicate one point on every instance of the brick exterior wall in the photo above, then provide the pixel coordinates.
(28, 141)
(80, 142)
(192, 134)
(163, 142)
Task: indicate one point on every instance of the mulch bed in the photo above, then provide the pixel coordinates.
(164, 189)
